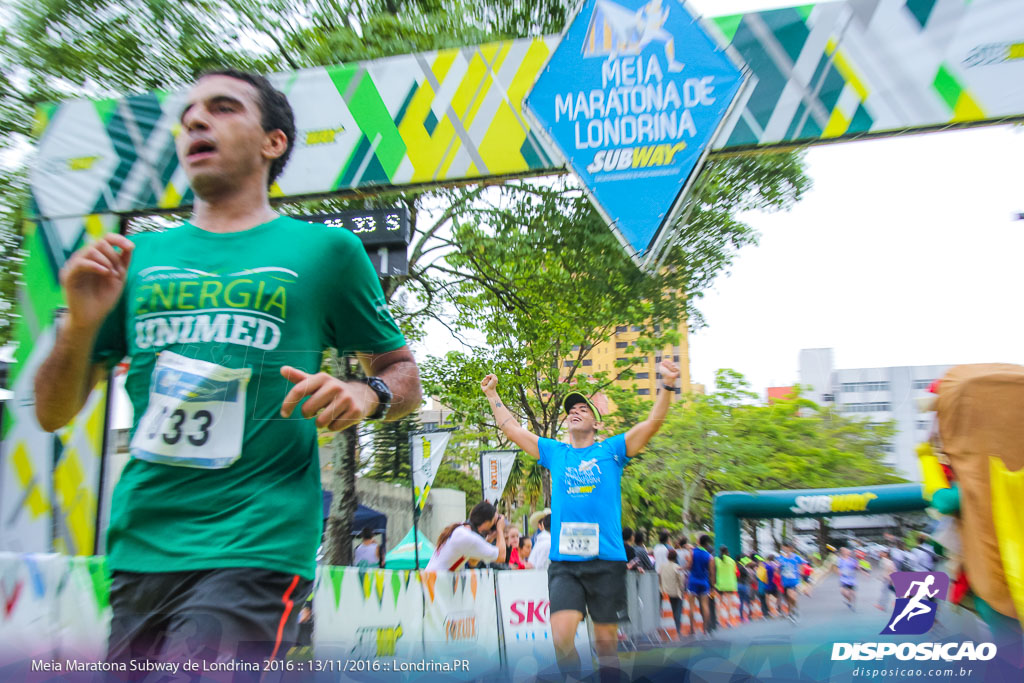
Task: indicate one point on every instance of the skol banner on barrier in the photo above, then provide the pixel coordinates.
(427, 452)
(525, 622)
(460, 620)
(495, 466)
(371, 615)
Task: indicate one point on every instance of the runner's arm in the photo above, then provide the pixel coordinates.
(399, 371)
(507, 422)
(66, 378)
(92, 281)
(638, 436)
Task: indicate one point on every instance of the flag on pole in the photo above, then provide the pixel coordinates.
(495, 467)
(427, 451)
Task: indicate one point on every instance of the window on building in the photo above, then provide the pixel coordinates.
(638, 328)
(621, 328)
(621, 345)
(575, 347)
(622, 359)
(869, 407)
(675, 359)
(924, 424)
(643, 392)
(587, 361)
(922, 383)
(657, 329)
(429, 426)
(852, 387)
(567, 364)
(643, 375)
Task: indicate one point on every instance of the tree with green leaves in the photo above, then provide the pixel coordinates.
(724, 442)
(540, 278)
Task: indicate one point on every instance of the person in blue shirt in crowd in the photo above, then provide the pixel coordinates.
(588, 560)
(698, 586)
(789, 570)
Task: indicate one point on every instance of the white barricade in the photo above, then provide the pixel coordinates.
(84, 610)
(525, 611)
(29, 586)
(460, 620)
(370, 615)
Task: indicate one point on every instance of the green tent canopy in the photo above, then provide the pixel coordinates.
(403, 556)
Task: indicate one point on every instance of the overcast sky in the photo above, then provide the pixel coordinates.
(906, 252)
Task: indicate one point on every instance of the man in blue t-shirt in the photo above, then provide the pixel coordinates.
(588, 560)
(789, 571)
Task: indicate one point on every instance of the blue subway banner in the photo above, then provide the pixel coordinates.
(632, 98)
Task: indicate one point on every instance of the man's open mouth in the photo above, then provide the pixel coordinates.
(200, 149)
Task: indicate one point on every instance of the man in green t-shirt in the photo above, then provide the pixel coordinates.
(215, 520)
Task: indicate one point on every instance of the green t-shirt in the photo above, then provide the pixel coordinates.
(217, 477)
(725, 569)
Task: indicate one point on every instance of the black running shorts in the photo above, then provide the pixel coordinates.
(217, 614)
(595, 586)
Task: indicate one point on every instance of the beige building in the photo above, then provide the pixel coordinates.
(646, 377)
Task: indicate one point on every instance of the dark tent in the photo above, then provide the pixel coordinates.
(366, 517)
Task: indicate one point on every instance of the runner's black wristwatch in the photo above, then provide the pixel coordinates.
(384, 397)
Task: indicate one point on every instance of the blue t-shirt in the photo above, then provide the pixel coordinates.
(586, 486)
(848, 570)
(789, 570)
(699, 568)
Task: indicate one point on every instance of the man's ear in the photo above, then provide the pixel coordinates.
(275, 143)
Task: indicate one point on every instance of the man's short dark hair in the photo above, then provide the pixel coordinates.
(672, 555)
(662, 537)
(275, 112)
(545, 522)
(641, 537)
(627, 533)
(705, 541)
(367, 533)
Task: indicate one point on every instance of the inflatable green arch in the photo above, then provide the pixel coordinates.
(732, 506)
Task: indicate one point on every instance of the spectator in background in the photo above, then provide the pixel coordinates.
(661, 550)
(744, 577)
(922, 558)
(644, 559)
(726, 583)
(670, 576)
(627, 542)
(540, 555)
(525, 548)
(514, 560)
(462, 542)
(367, 553)
(702, 569)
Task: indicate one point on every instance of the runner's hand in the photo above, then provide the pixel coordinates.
(94, 277)
(339, 404)
(489, 385)
(669, 372)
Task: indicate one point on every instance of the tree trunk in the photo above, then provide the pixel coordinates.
(822, 535)
(346, 498)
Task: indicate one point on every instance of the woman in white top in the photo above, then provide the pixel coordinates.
(367, 553)
(465, 541)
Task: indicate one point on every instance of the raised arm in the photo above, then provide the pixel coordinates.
(93, 280)
(507, 422)
(638, 436)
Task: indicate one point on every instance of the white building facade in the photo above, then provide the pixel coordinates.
(876, 394)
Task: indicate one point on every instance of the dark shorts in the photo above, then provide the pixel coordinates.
(698, 587)
(237, 614)
(595, 586)
(848, 586)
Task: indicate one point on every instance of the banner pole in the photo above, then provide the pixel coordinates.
(415, 507)
(483, 487)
